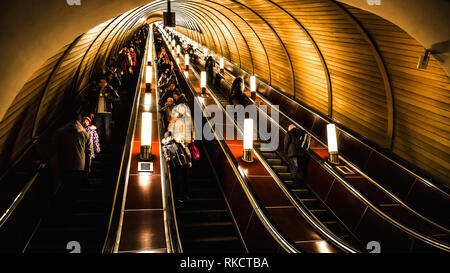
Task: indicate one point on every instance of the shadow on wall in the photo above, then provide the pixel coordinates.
(439, 50)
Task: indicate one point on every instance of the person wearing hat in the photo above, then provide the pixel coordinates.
(92, 131)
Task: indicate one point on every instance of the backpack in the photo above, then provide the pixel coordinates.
(305, 141)
(195, 152)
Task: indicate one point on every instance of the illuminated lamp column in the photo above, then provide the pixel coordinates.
(221, 65)
(253, 87)
(148, 78)
(186, 61)
(248, 140)
(203, 82)
(146, 136)
(332, 144)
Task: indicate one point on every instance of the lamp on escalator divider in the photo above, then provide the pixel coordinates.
(221, 65)
(148, 78)
(173, 43)
(147, 101)
(332, 144)
(186, 61)
(205, 52)
(178, 50)
(253, 87)
(178, 61)
(146, 136)
(203, 82)
(173, 52)
(248, 140)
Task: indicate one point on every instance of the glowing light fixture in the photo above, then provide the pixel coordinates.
(148, 78)
(186, 61)
(147, 101)
(221, 65)
(146, 136)
(332, 143)
(178, 50)
(173, 43)
(203, 82)
(248, 140)
(148, 74)
(178, 61)
(253, 87)
(205, 52)
(186, 74)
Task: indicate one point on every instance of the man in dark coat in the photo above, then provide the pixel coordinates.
(296, 144)
(209, 67)
(179, 157)
(237, 91)
(74, 148)
(105, 103)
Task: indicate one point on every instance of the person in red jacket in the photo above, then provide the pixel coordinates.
(133, 59)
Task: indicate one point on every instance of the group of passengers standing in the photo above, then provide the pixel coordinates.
(83, 137)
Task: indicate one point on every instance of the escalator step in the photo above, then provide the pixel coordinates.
(280, 168)
(270, 155)
(211, 239)
(284, 176)
(203, 230)
(273, 161)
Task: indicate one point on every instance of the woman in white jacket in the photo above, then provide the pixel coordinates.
(181, 120)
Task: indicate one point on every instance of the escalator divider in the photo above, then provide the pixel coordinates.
(259, 211)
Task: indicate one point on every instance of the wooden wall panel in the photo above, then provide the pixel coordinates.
(279, 65)
(311, 87)
(17, 125)
(358, 93)
(421, 98)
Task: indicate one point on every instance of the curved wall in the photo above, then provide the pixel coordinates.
(346, 63)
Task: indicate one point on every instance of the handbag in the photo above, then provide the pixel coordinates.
(195, 152)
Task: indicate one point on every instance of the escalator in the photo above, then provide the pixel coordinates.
(303, 193)
(204, 221)
(85, 221)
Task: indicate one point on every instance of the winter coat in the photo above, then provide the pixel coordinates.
(181, 122)
(236, 90)
(296, 142)
(74, 147)
(92, 130)
(111, 100)
(133, 58)
(177, 153)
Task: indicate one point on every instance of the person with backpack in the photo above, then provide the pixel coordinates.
(178, 156)
(296, 145)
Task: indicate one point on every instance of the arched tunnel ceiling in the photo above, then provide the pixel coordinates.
(346, 63)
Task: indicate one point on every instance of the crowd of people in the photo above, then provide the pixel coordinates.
(178, 143)
(89, 131)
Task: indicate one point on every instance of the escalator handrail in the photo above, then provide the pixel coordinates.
(425, 181)
(390, 194)
(10, 210)
(311, 219)
(171, 224)
(110, 241)
(360, 196)
(245, 184)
